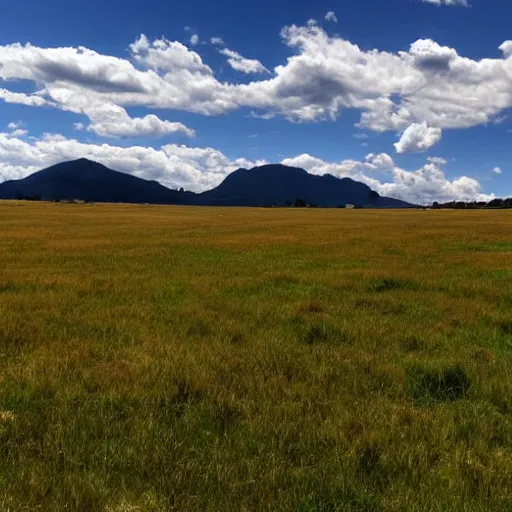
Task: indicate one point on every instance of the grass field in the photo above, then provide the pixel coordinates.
(200, 359)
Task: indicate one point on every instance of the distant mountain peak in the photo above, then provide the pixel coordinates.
(278, 184)
(83, 160)
(90, 181)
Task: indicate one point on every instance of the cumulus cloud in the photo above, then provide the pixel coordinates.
(203, 168)
(418, 137)
(497, 170)
(18, 133)
(239, 63)
(194, 40)
(331, 16)
(30, 100)
(506, 48)
(437, 160)
(429, 55)
(463, 3)
(16, 130)
(113, 121)
(379, 161)
(164, 55)
(422, 186)
(324, 75)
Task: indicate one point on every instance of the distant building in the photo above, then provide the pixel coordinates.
(349, 206)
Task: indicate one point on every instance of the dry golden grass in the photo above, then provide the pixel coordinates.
(167, 358)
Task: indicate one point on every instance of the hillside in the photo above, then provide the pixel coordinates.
(90, 181)
(278, 184)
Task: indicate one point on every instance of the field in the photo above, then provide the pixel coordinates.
(201, 359)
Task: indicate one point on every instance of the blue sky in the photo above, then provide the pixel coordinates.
(412, 97)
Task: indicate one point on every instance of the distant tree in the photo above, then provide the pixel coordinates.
(288, 203)
(495, 203)
(435, 205)
(300, 203)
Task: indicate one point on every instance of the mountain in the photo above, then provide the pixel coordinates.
(261, 186)
(90, 181)
(278, 184)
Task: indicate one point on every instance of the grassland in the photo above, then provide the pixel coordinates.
(166, 358)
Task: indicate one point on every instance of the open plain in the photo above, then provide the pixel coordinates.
(222, 359)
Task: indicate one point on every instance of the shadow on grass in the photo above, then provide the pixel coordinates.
(446, 384)
(489, 247)
(311, 332)
(390, 284)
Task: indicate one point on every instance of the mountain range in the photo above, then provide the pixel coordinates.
(266, 185)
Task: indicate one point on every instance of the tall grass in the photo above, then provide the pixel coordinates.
(167, 358)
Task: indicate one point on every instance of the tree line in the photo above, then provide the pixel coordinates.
(474, 205)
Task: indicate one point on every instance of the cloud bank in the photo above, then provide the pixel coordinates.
(199, 169)
(323, 76)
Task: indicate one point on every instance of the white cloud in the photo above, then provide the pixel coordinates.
(379, 161)
(217, 41)
(418, 137)
(437, 160)
(78, 126)
(506, 48)
(203, 168)
(430, 56)
(463, 3)
(425, 185)
(325, 75)
(239, 63)
(266, 115)
(113, 121)
(194, 40)
(497, 170)
(331, 16)
(500, 119)
(165, 56)
(30, 100)
(18, 133)
(16, 130)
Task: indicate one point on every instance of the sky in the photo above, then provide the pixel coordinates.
(412, 97)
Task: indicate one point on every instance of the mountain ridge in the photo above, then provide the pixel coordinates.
(267, 185)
